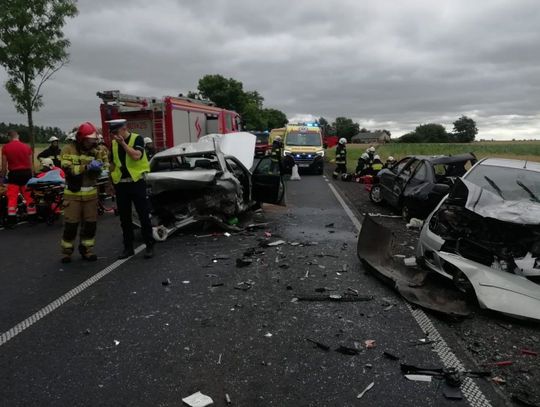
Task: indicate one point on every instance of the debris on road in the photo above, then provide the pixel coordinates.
(415, 223)
(268, 335)
(330, 225)
(185, 282)
(219, 360)
(370, 343)
(243, 262)
(369, 387)
(227, 399)
(319, 344)
(166, 282)
(498, 380)
(390, 356)
(528, 352)
(244, 285)
(335, 297)
(382, 215)
(410, 262)
(198, 400)
(276, 243)
(345, 350)
(418, 377)
(452, 393)
(116, 343)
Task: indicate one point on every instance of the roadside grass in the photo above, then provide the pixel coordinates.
(523, 150)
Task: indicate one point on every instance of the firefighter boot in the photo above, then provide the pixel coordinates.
(70, 233)
(87, 253)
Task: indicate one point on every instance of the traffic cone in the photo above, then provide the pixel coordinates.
(295, 175)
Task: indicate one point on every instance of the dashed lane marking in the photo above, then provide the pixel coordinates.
(470, 389)
(43, 312)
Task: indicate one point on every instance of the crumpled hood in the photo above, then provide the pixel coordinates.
(173, 180)
(490, 205)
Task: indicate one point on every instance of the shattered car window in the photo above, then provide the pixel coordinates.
(510, 184)
(422, 173)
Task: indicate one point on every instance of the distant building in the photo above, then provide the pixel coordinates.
(371, 137)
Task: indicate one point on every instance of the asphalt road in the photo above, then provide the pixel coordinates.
(130, 340)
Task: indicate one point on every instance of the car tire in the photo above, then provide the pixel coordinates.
(375, 195)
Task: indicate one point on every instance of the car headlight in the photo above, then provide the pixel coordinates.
(321, 153)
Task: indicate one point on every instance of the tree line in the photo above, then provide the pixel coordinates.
(229, 93)
(464, 131)
(41, 134)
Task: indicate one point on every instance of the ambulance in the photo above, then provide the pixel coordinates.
(303, 146)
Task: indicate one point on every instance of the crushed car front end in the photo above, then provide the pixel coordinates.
(485, 236)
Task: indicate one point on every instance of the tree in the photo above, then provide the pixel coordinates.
(275, 118)
(32, 49)
(465, 130)
(432, 133)
(345, 127)
(225, 93)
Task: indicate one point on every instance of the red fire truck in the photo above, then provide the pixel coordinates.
(169, 120)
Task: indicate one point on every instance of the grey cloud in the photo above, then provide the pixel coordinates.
(388, 64)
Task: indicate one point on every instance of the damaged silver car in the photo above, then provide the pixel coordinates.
(209, 181)
(485, 236)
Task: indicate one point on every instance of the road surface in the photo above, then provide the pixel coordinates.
(119, 334)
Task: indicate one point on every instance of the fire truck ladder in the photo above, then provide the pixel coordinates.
(158, 129)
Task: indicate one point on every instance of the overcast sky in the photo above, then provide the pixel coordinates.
(386, 64)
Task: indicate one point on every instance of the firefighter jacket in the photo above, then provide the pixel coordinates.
(341, 154)
(377, 165)
(277, 151)
(80, 183)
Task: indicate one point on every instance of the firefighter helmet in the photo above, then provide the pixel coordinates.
(365, 156)
(86, 131)
(371, 149)
(342, 140)
(391, 159)
(277, 138)
(148, 140)
(52, 138)
(377, 157)
(47, 162)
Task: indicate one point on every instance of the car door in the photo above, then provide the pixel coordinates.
(389, 178)
(401, 181)
(267, 184)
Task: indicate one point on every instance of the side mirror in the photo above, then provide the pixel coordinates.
(442, 189)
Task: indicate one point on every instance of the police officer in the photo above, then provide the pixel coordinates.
(276, 154)
(129, 164)
(82, 164)
(52, 152)
(341, 158)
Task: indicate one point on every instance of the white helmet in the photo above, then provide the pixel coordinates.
(391, 159)
(371, 149)
(148, 140)
(52, 138)
(365, 156)
(376, 157)
(47, 162)
(72, 136)
(342, 140)
(278, 138)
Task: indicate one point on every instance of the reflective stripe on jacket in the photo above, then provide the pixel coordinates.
(136, 168)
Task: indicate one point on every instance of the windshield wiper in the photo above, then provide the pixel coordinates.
(494, 186)
(526, 188)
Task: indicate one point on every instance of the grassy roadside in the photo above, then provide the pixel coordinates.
(529, 150)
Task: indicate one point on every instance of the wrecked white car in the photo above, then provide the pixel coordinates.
(485, 236)
(208, 181)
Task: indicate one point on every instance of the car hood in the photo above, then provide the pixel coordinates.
(490, 205)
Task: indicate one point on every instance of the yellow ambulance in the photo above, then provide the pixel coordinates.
(303, 146)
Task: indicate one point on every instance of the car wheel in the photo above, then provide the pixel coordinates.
(375, 195)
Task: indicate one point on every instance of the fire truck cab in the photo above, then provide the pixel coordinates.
(168, 120)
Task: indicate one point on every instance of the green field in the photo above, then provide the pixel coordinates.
(522, 150)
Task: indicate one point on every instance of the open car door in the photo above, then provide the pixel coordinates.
(268, 185)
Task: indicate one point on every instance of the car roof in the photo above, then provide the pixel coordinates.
(445, 159)
(508, 163)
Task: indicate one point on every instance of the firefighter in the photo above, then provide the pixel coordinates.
(47, 165)
(341, 158)
(17, 165)
(149, 147)
(390, 161)
(129, 164)
(276, 155)
(362, 165)
(376, 165)
(82, 163)
(371, 154)
(52, 152)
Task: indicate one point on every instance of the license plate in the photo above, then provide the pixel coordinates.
(303, 165)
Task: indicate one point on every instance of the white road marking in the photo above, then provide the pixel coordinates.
(43, 312)
(471, 391)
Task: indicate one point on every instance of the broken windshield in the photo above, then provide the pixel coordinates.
(303, 139)
(187, 162)
(512, 184)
